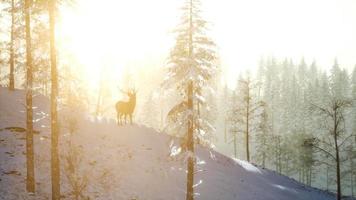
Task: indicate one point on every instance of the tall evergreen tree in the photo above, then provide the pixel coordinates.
(191, 66)
(263, 138)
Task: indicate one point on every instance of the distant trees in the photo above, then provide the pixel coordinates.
(246, 111)
(232, 122)
(286, 132)
(11, 50)
(263, 137)
(191, 66)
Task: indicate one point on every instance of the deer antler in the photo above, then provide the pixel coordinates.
(134, 90)
(123, 91)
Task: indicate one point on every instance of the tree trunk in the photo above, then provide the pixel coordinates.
(352, 176)
(300, 175)
(235, 145)
(225, 131)
(55, 171)
(190, 147)
(310, 175)
(190, 138)
(327, 178)
(12, 54)
(30, 181)
(338, 175)
(247, 124)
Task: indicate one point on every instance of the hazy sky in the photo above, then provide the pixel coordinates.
(132, 33)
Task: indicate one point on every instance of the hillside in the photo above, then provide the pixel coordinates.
(130, 162)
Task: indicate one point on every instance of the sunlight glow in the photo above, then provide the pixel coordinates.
(121, 35)
(114, 36)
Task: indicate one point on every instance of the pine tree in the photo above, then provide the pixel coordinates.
(191, 66)
(353, 84)
(263, 138)
(338, 81)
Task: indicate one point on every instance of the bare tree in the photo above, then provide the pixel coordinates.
(334, 142)
(246, 111)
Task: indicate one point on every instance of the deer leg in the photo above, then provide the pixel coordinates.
(131, 119)
(118, 118)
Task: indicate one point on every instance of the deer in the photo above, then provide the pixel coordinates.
(126, 108)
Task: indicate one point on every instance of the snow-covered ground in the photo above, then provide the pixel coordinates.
(130, 162)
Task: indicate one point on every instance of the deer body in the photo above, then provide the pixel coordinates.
(126, 108)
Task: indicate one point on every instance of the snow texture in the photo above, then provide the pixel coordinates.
(129, 162)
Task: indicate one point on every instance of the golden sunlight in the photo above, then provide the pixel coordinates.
(116, 36)
(119, 34)
(178, 99)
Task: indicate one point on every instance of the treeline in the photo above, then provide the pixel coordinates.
(297, 120)
(28, 60)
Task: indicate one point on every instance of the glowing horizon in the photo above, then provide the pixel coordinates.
(134, 34)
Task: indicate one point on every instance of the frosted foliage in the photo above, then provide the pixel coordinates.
(192, 59)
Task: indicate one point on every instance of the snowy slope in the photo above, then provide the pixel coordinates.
(130, 162)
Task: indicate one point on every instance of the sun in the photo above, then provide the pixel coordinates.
(114, 36)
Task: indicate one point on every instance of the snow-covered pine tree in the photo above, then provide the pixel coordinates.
(337, 82)
(263, 137)
(353, 83)
(190, 67)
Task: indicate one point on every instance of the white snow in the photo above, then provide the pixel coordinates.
(248, 166)
(130, 162)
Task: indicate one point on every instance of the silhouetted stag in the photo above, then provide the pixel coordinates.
(126, 108)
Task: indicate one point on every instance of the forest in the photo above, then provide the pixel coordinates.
(76, 122)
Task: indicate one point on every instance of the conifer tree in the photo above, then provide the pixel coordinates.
(191, 66)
